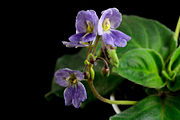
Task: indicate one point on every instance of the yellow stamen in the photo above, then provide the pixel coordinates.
(89, 28)
(106, 24)
(72, 79)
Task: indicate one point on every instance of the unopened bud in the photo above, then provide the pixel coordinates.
(113, 57)
(105, 71)
(86, 75)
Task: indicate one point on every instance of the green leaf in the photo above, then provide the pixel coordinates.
(103, 84)
(152, 108)
(174, 85)
(141, 66)
(174, 64)
(147, 33)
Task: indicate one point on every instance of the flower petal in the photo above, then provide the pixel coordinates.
(120, 38)
(120, 43)
(73, 44)
(80, 22)
(89, 37)
(79, 75)
(114, 16)
(83, 17)
(108, 39)
(95, 20)
(120, 35)
(76, 37)
(60, 77)
(80, 94)
(68, 95)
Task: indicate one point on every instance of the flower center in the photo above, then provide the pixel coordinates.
(72, 79)
(106, 24)
(89, 27)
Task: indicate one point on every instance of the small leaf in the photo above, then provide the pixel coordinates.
(174, 64)
(141, 66)
(174, 85)
(152, 108)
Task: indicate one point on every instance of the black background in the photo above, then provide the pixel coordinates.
(55, 22)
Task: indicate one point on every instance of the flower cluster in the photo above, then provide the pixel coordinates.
(88, 27)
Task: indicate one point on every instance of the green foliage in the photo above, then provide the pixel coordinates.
(147, 33)
(174, 63)
(141, 66)
(152, 108)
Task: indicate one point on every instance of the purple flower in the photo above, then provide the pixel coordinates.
(86, 29)
(109, 21)
(75, 92)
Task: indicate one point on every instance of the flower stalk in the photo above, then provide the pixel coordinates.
(119, 102)
(95, 46)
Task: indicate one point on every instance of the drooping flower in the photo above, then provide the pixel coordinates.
(75, 92)
(109, 21)
(86, 29)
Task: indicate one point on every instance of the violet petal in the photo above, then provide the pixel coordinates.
(89, 37)
(83, 17)
(108, 39)
(79, 75)
(60, 77)
(73, 44)
(80, 94)
(68, 95)
(76, 37)
(120, 34)
(114, 16)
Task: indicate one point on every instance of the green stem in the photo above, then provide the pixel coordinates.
(119, 102)
(176, 35)
(97, 40)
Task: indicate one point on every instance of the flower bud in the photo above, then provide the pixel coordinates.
(86, 75)
(105, 71)
(92, 73)
(113, 57)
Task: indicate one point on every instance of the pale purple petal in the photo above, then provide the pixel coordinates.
(120, 42)
(80, 95)
(89, 37)
(108, 39)
(120, 35)
(79, 75)
(60, 77)
(73, 44)
(114, 16)
(115, 38)
(83, 17)
(81, 22)
(95, 20)
(68, 95)
(76, 37)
